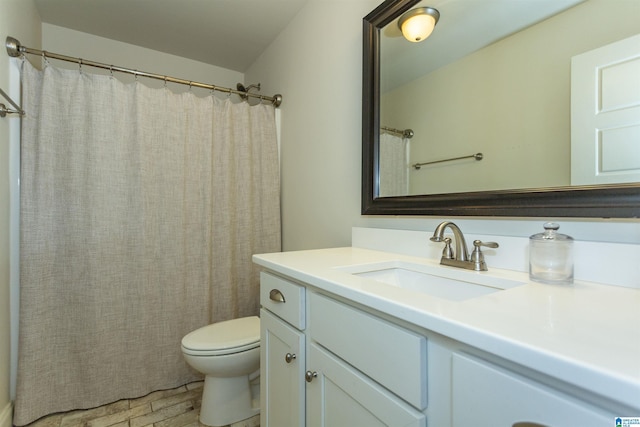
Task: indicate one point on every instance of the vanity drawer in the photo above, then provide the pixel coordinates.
(283, 298)
(387, 353)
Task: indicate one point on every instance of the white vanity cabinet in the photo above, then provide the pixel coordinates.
(338, 357)
(485, 394)
(282, 352)
(329, 361)
(340, 395)
(363, 371)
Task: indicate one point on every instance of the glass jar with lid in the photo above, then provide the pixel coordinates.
(551, 256)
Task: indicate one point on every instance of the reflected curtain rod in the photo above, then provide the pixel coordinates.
(405, 133)
(15, 49)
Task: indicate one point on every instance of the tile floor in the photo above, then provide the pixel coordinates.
(179, 407)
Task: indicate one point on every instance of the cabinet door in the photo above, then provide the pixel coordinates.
(401, 367)
(340, 396)
(487, 395)
(282, 359)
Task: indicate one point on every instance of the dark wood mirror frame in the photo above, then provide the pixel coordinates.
(602, 201)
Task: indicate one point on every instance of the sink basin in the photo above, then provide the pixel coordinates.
(439, 282)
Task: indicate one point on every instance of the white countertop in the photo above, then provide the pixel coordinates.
(585, 334)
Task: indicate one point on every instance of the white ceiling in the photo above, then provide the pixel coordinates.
(227, 33)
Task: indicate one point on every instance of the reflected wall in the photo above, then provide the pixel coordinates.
(510, 101)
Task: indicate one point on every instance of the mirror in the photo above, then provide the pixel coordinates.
(396, 97)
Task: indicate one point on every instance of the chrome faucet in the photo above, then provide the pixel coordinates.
(460, 258)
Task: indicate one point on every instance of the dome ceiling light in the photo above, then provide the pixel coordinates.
(418, 24)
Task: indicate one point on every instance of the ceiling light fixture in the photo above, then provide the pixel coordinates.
(418, 24)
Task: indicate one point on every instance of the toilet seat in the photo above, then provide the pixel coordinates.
(228, 337)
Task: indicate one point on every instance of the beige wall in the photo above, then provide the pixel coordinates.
(316, 65)
(19, 19)
(510, 101)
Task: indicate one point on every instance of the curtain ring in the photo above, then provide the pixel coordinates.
(165, 82)
(111, 70)
(135, 75)
(80, 65)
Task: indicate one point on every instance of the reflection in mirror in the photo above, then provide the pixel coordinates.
(488, 97)
(494, 80)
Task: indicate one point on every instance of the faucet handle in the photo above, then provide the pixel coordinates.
(477, 257)
(478, 243)
(447, 252)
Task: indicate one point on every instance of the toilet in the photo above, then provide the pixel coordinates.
(228, 354)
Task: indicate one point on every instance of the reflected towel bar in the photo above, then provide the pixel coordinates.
(477, 156)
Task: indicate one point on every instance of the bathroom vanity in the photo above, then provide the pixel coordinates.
(358, 337)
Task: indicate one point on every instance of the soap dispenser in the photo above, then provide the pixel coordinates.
(551, 256)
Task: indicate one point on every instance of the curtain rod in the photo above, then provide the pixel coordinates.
(405, 133)
(15, 49)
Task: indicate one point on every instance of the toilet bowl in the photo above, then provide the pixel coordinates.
(228, 354)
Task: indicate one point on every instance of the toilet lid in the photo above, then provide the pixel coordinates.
(231, 335)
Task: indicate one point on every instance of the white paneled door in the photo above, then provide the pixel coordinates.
(605, 114)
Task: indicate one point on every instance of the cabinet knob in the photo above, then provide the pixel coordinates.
(276, 295)
(309, 376)
(289, 357)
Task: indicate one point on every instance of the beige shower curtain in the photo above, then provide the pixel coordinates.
(140, 210)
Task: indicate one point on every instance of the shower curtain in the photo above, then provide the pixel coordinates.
(140, 210)
(394, 172)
